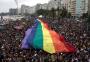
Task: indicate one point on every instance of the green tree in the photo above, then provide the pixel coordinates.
(59, 11)
(88, 20)
(42, 12)
(53, 13)
(84, 15)
(68, 14)
(64, 12)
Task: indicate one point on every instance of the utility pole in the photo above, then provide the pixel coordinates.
(16, 1)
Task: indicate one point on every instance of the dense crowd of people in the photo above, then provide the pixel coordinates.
(74, 31)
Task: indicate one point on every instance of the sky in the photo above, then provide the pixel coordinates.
(6, 4)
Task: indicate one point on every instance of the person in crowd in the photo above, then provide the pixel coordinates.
(73, 31)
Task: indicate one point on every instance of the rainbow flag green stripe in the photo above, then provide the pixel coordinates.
(38, 37)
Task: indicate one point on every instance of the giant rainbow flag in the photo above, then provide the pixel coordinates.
(40, 36)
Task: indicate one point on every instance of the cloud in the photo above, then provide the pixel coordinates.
(32, 2)
(6, 4)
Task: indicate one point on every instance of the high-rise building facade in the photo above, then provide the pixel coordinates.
(37, 7)
(65, 4)
(48, 6)
(81, 7)
(27, 10)
(44, 6)
(54, 4)
(13, 11)
(88, 7)
(72, 7)
(77, 7)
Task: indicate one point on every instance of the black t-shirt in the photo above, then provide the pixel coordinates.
(1, 56)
